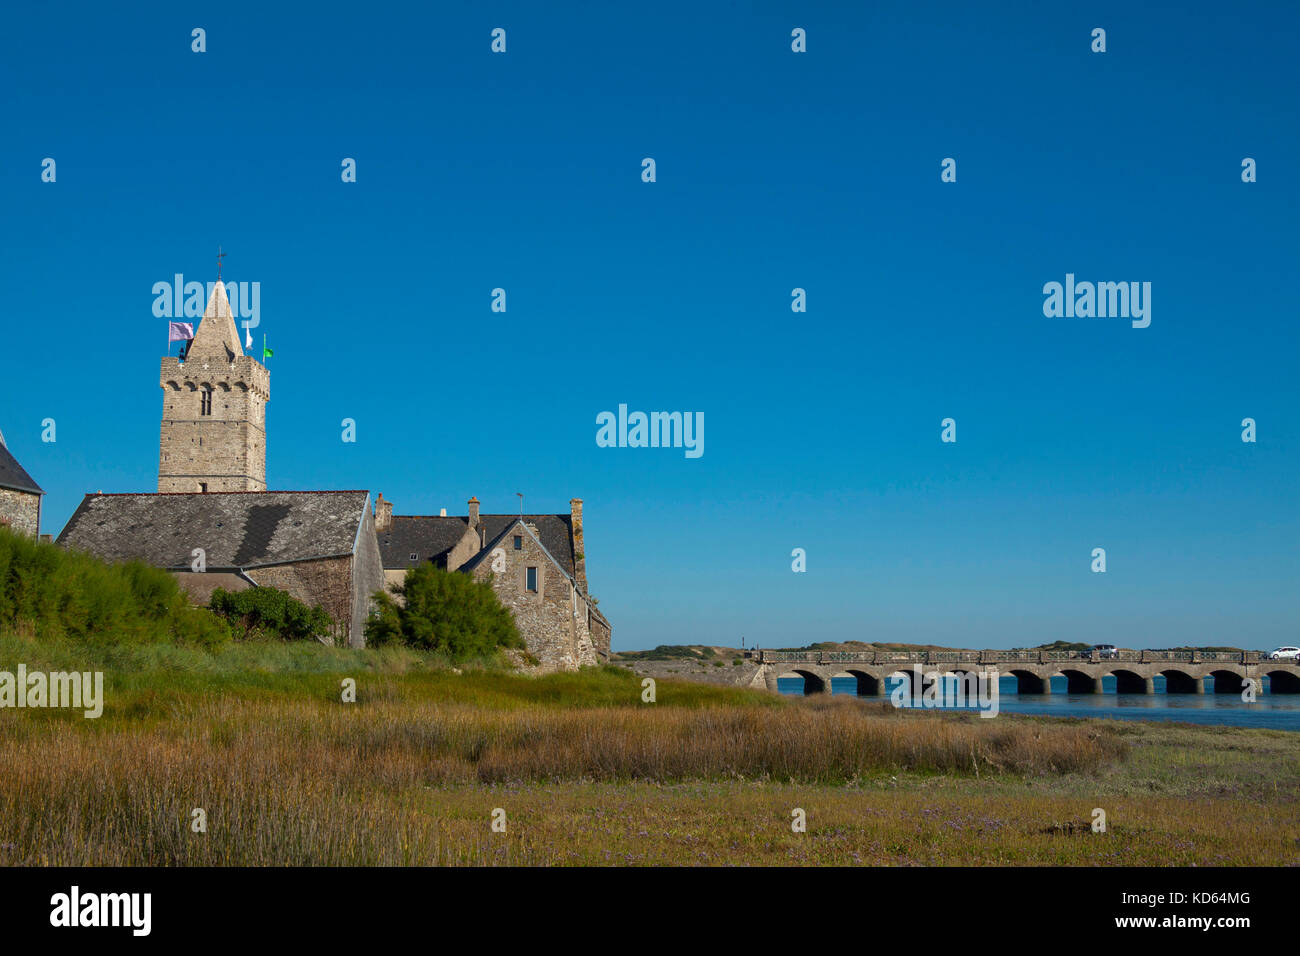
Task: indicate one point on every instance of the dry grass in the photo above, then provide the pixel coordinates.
(299, 780)
(288, 775)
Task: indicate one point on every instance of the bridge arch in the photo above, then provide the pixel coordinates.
(1181, 682)
(908, 677)
(813, 683)
(945, 682)
(1027, 682)
(1081, 682)
(967, 685)
(869, 685)
(1282, 682)
(1227, 682)
(1130, 682)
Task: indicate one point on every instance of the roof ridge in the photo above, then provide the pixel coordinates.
(210, 494)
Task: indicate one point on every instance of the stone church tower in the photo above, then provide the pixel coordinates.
(214, 410)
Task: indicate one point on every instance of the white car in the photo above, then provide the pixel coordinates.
(1284, 653)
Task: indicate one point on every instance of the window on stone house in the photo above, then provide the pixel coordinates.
(519, 542)
(205, 401)
(415, 556)
(531, 584)
(203, 487)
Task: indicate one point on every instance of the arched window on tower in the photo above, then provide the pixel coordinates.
(205, 400)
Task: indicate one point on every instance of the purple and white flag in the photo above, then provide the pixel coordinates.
(180, 331)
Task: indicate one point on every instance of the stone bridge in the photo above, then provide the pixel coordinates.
(1134, 671)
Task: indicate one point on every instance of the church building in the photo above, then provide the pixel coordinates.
(213, 523)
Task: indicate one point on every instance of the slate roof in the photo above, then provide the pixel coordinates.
(236, 529)
(12, 474)
(429, 537)
(432, 536)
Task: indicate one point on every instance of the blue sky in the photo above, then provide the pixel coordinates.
(775, 170)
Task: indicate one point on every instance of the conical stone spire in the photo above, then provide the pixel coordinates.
(217, 336)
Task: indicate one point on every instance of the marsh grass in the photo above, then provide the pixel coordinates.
(409, 774)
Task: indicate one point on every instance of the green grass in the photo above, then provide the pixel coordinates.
(266, 669)
(670, 652)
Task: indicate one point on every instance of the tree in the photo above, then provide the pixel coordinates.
(444, 611)
(272, 612)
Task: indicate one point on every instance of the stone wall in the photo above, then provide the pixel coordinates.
(20, 510)
(367, 578)
(600, 635)
(199, 585)
(469, 545)
(552, 620)
(324, 581)
(392, 578)
(745, 674)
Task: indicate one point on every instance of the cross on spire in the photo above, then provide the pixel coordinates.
(220, 255)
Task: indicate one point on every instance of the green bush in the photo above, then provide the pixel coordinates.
(270, 612)
(669, 652)
(53, 593)
(444, 611)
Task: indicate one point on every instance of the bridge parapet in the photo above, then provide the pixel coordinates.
(1004, 657)
(949, 656)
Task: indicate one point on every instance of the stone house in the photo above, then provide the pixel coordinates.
(319, 546)
(20, 496)
(535, 563)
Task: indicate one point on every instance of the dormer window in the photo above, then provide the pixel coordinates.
(415, 556)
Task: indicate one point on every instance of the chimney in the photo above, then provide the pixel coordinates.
(442, 512)
(579, 555)
(474, 524)
(383, 514)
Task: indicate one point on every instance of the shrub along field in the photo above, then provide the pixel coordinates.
(53, 594)
(258, 736)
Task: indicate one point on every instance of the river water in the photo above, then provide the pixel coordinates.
(1276, 711)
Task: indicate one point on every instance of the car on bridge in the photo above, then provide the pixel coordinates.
(1284, 653)
(1106, 651)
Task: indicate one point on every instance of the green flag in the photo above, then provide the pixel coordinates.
(266, 353)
